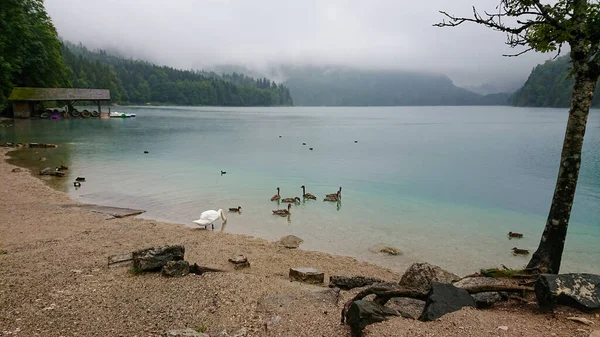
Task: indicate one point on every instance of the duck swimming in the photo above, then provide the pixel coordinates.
(307, 195)
(337, 194)
(276, 197)
(515, 235)
(283, 212)
(517, 251)
(335, 197)
(238, 209)
(294, 200)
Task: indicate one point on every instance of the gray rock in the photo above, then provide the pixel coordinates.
(444, 298)
(42, 158)
(176, 268)
(307, 275)
(239, 262)
(185, 333)
(407, 307)
(17, 169)
(385, 249)
(487, 299)
(152, 259)
(46, 171)
(419, 276)
(362, 313)
(351, 282)
(580, 291)
(290, 241)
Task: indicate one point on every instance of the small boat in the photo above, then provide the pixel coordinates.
(115, 114)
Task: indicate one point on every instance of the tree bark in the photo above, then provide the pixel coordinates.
(548, 256)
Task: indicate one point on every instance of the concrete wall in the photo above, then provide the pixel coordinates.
(22, 109)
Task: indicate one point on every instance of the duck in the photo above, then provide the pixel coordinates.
(335, 197)
(63, 168)
(517, 251)
(336, 194)
(80, 179)
(276, 197)
(76, 184)
(283, 212)
(307, 195)
(223, 172)
(310, 148)
(209, 217)
(515, 235)
(236, 209)
(294, 200)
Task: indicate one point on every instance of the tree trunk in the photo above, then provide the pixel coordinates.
(549, 253)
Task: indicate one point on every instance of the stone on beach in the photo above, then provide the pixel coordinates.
(419, 276)
(351, 282)
(239, 262)
(176, 268)
(153, 259)
(444, 298)
(385, 249)
(46, 171)
(407, 307)
(362, 313)
(580, 291)
(290, 241)
(307, 275)
(485, 299)
(16, 170)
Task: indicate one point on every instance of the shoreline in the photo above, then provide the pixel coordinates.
(56, 280)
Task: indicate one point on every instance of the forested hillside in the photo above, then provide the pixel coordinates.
(548, 86)
(30, 52)
(315, 86)
(140, 82)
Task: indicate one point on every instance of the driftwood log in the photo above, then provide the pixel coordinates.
(383, 293)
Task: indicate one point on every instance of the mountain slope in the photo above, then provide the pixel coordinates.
(548, 86)
(316, 86)
(140, 82)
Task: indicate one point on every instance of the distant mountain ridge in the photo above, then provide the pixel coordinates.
(338, 86)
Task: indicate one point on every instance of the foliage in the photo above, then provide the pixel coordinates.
(30, 54)
(140, 82)
(548, 85)
(202, 328)
(351, 87)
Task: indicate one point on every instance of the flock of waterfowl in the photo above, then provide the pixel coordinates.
(334, 197)
(208, 218)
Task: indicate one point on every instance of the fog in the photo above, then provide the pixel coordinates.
(382, 34)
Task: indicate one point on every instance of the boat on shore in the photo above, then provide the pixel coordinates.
(115, 114)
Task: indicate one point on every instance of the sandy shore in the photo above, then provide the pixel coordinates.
(54, 281)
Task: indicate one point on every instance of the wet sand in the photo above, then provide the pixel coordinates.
(55, 281)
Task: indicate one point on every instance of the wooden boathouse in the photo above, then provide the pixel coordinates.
(25, 100)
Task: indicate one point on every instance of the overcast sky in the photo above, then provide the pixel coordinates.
(390, 34)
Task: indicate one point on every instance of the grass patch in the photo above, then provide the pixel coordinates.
(202, 328)
(135, 271)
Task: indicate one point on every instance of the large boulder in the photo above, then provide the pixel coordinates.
(362, 313)
(152, 259)
(176, 268)
(580, 291)
(407, 307)
(419, 276)
(485, 299)
(444, 298)
(351, 282)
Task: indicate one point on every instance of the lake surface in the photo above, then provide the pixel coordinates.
(443, 184)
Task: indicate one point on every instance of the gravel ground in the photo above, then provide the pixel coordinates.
(54, 281)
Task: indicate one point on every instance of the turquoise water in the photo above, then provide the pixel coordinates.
(443, 184)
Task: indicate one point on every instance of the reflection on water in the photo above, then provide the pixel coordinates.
(443, 184)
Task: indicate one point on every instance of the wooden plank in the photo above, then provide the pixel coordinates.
(117, 212)
(120, 260)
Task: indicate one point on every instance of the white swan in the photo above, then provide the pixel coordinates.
(209, 217)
